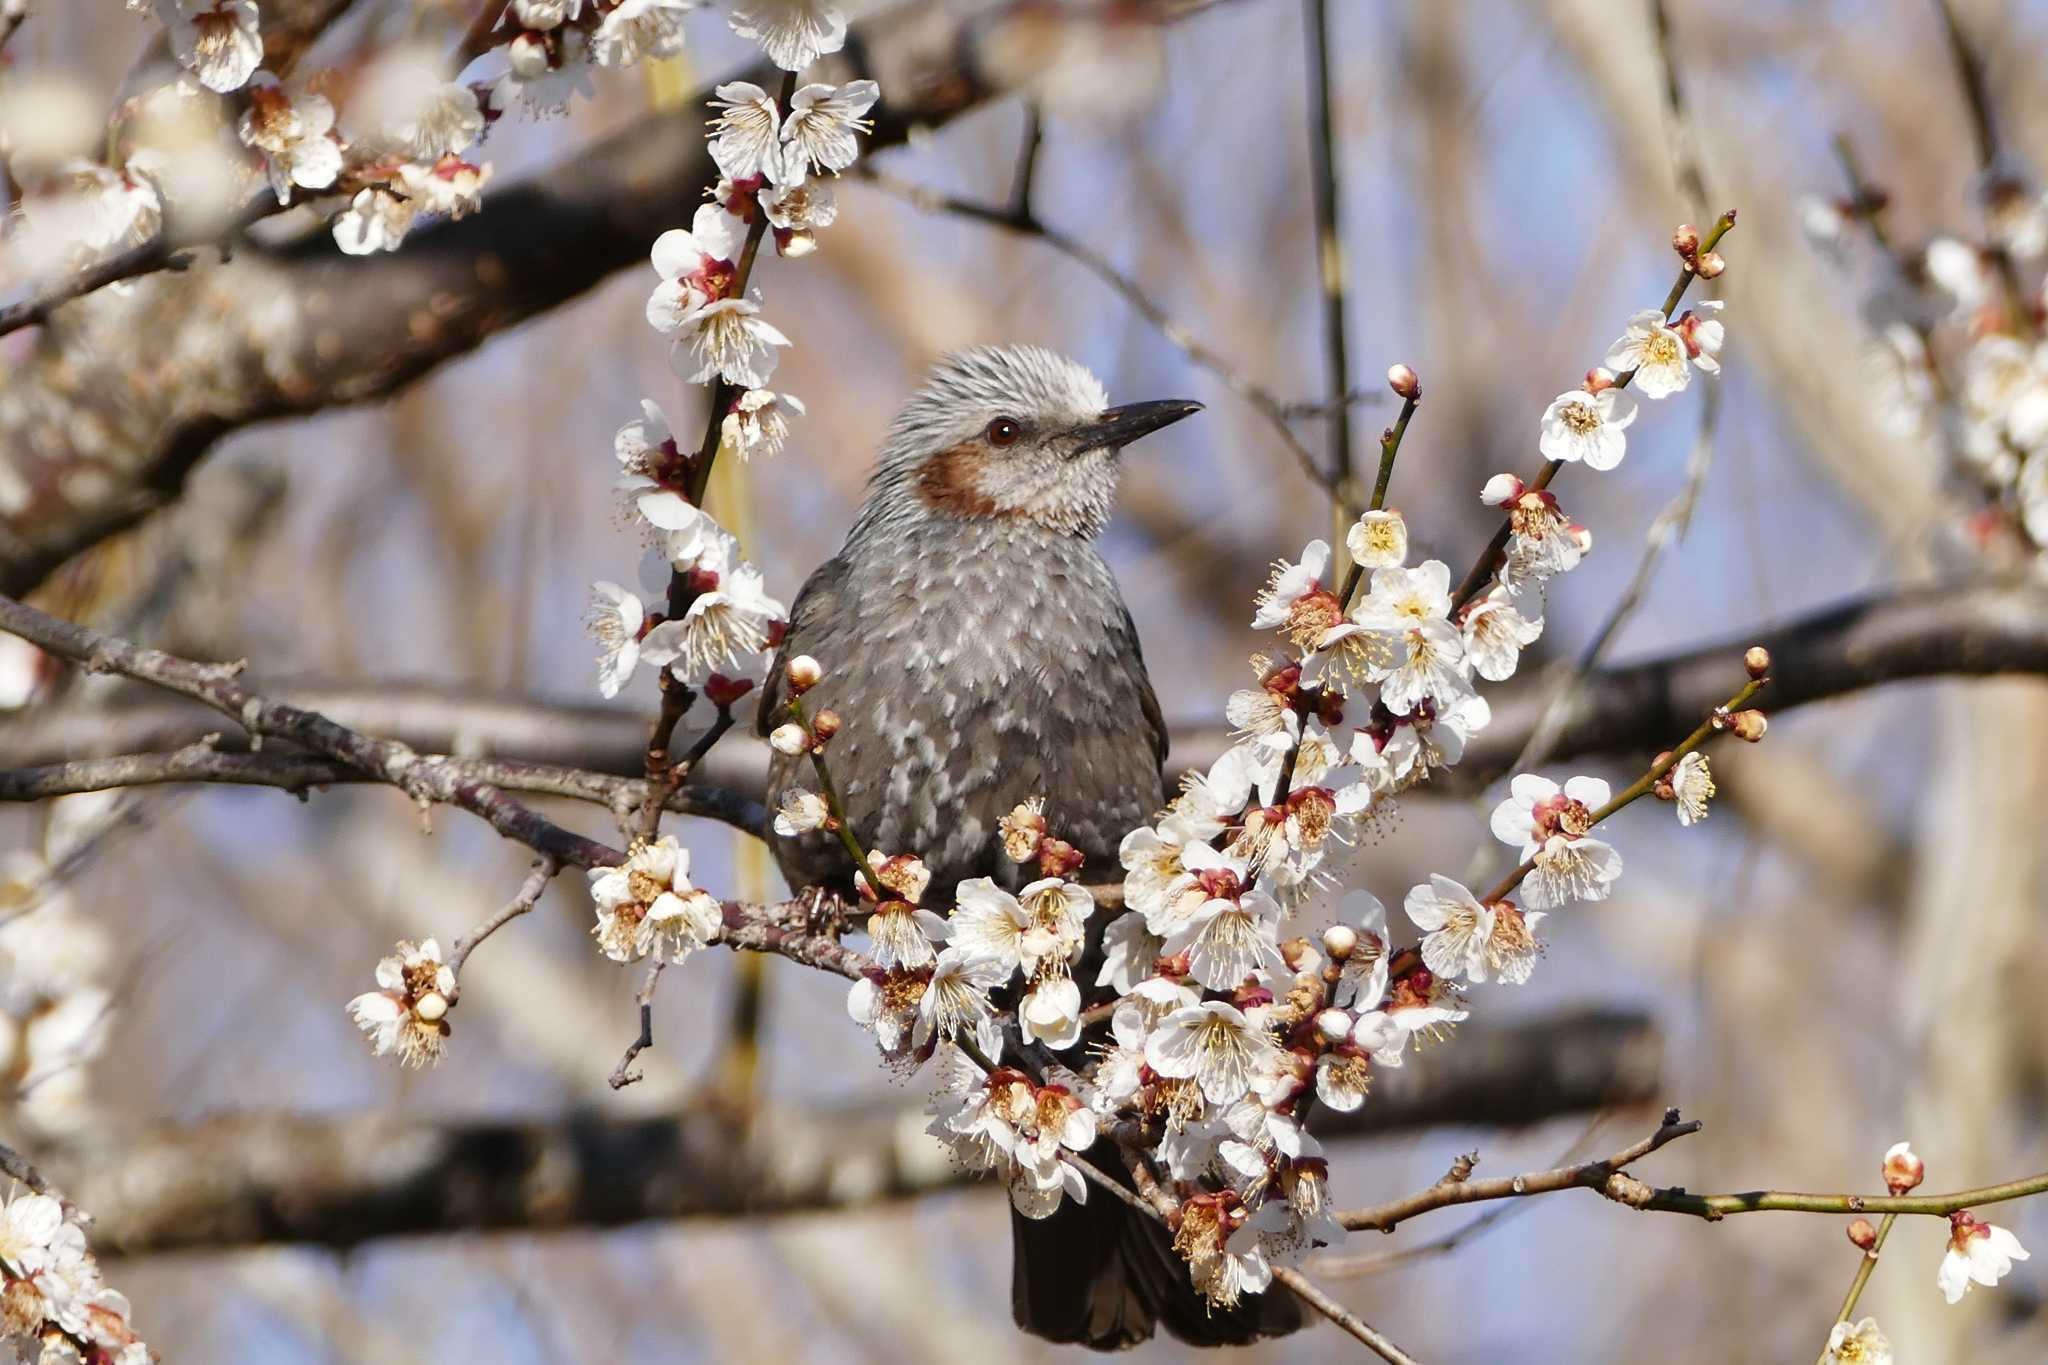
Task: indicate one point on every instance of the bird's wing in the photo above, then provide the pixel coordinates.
(1148, 700)
(821, 599)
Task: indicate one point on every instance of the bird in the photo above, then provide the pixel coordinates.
(975, 645)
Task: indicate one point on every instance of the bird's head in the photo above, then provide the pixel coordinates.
(1015, 432)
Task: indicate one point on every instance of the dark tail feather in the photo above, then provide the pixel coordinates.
(1102, 1275)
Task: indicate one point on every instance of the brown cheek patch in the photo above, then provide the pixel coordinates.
(947, 483)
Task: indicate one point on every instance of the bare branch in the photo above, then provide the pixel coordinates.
(1458, 1188)
(1311, 1294)
(529, 896)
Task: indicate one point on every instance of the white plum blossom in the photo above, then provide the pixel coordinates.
(1857, 1343)
(797, 212)
(1704, 334)
(800, 812)
(1456, 928)
(902, 934)
(727, 338)
(1217, 1045)
(1229, 938)
(955, 1001)
(1654, 353)
(1129, 949)
(1496, 632)
(1426, 738)
(746, 140)
(407, 1015)
(696, 266)
(1587, 427)
(636, 29)
(449, 188)
(294, 134)
(1692, 787)
(818, 133)
(730, 614)
(794, 33)
(1408, 609)
(647, 906)
(1378, 540)
(1050, 1012)
(1977, 1253)
(218, 43)
(1541, 542)
(1550, 824)
(757, 424)
(614, 621)
(375, 220)
(546, 71)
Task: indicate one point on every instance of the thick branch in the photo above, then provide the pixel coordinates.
(1630, 708)
(339, 1180)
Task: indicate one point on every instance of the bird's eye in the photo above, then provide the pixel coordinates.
(1004, 431)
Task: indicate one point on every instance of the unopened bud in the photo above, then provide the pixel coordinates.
(431, 1007)
(796, 243)
(1708, 264)
(826, 724)
(1748, 725)
(528, 54)
(1757, 660)
(803, 673)
(789, 738)
(1598, 380)
(1862, 1234)
(1686, 240)
(1333, 1026)
(1404, 382)
(1340, 941)
(1501, 490)
(1903, 1168)
(1299, 955)
(1581, 537)
(1058, 858)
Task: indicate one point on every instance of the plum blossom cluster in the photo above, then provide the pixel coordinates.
(1956, 361)
(52, 1297)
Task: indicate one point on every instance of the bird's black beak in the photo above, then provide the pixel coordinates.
(1119, 427)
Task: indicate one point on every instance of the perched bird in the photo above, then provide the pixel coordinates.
(977, 649)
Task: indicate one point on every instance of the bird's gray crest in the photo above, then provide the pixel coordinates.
(969, 387)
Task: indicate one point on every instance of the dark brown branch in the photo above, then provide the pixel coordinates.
(339, 1180)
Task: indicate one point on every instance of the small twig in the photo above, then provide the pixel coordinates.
(623, 1075)
(1330, 272)
(12, 15)
(1276, 412)
(1025, 180)
(1596, 1175)
(1969, 65)
(479, 37)
(1864, 1266)
(530, 890)
(1313, 1295)
(1641, 787)
(835, 811)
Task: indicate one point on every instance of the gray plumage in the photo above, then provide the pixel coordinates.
(972, 637)
(979, 654)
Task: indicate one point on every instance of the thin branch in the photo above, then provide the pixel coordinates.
(1323, 161)
(203, 761)
(529, 896)
(1311, 1294)
(379, 759)
(1714, 1207)
(1592, 1175)
(1274, 410)
(623, 1074)
(1866, 1264)
(1969, 65)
